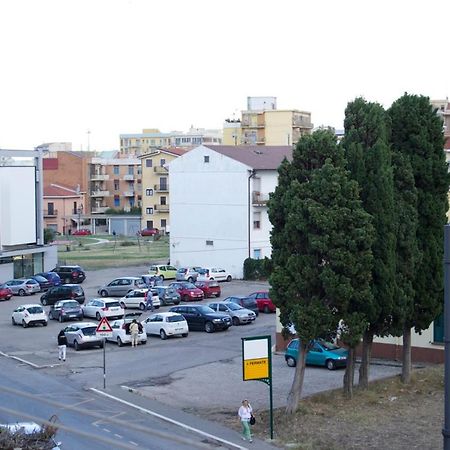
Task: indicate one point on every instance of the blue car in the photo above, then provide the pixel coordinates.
(320, 353)
(52, 277)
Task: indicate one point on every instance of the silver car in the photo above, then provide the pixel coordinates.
(238, 314)
(186, 274)
(23, 286)
(83, 334)
(121, 286)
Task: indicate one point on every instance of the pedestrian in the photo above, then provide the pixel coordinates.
(134, 330)
(245, 414)
(149, 300)
(62, 345)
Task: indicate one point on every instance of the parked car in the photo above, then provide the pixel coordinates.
(44, 284)
(167, 272)
(209, 288)
(166, 324)
(168, 295)
(201, 317)
(26, 315)
(121, 286)
(137, 299)
(52, 277)
(245, 302)
(63, 292)
(5, 292)
(213, 273)
(149, 231)
(23, 286)
(26, 429)
(103, 307)
(188, 291)
(82, 335)
(152, 280)
(263, 301)
(186, 274)
(320, 353)
(238, 314)
(121, 330)
(70, 274)
(64, 310)
(82, 232)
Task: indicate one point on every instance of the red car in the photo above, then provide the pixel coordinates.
(188, 291)
(82, 232)
(5, 292)
(263, 301)
(149, 231)
(209, 288)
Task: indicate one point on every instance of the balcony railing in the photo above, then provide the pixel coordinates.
(99, 193)
(161, 208)
(50, 213)
(99, 209)
(99, 177)
(160, 169)
(129, 193)
(129, 177)
(259, 199)
(161, 187)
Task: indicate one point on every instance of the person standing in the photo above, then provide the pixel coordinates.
(62, 345)
(245, 414)
(149, 300)
(134, 330)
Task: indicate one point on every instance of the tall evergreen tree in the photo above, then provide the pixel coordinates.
(369, 160)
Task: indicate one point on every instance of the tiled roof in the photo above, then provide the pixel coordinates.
(56, 190)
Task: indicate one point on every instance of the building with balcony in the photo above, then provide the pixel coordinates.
(155, 187)
(263, 124)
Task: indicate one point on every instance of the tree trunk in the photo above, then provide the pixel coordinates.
(406, 355)
(295, 393)
(365, 360)
(349, 375)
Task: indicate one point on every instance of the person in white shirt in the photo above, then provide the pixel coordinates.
(245, 414)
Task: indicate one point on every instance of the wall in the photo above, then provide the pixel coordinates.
(278, 127)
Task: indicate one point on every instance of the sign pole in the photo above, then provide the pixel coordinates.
(270, 388)
(104, 330)
(104, 363)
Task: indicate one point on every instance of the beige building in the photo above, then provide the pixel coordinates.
(263, 124)
(155, 187)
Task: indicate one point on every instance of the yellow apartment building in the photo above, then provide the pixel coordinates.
(155, 187)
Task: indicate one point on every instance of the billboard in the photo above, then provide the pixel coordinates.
(256, 358)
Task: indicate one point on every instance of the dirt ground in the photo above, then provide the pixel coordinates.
(389, 415)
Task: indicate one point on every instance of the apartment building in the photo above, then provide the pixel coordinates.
(263, 124)
(155, 187)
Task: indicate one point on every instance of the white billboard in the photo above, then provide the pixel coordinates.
(17, 205)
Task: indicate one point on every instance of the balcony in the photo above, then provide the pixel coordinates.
(99, 209)
(301, 123)
(259, 199)
(160, 169)
(50, 213)
(129, 177)
(99, 193)
(260, 140)
(161, 187)
(129, 193)
(161, 208)
(99, 177)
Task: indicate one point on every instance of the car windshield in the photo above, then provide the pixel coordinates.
(182, 270)
(70, 305)
(177, 318)
(328, 345)
(202, 271)
(35, 310)
(205, 309)
(89, 331)
(189, 286)
(111, 304)
(234, 306)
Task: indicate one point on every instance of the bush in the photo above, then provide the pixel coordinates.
(127, 244)
(49, 235)
(257, 269)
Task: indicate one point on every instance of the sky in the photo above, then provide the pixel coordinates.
(113, 67)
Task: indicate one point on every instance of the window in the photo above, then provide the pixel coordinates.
(116, 185)
(209, 242)
(149, 192)
(51, 208)
(163, 223)
(257, 220)
(150, 225)
(130, 170)
(257, 253)
(116, 170)
(206, 159)
(149, 210)
(162, 162)
(163, 201)
(148, 163)
(116, 201)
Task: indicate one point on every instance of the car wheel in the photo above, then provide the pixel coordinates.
(61, 319)
(21, 292)
(211, 279)
(162, 277)
(143, 342)
(122, 305)
(330, 364)
(209, 327)
(50, 315)
(162, 334)
(185, 298)
(98, 316)
(103, 293)
(291, 361)
(44, 301)
(190, 279)
(266, 310)
(177, 302)
(13, 321)
(76, 345)
(24, 324)
(184, 335)
(119, 342)
(235, 321)
(229, 278)
(45, 323)
(142, 306)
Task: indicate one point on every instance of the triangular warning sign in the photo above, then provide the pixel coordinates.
(104, 326)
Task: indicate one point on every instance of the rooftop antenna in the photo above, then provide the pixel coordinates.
(89, 140)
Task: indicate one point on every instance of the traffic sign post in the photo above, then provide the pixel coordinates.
(104, 330)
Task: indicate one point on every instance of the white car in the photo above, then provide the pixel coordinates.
(103, 307)
(26, 315)
(213, 273)
(136, 299)
(121, 333)
(166, 324)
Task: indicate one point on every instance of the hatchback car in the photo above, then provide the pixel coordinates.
(166, 272)
(209, 288)
(83, 335)
(238, 314)
(52, 277)
(166, 324)
(82, 232)
(188, 291)
(213, 273)
(245, 302)
(320, 353)
(263, 301)
(201, 317)
(70, 274)
(121, 286)
(64, 310)
(137, 299)
(23, 286)
(186, 274)
(44, 284)
(26, 315)
(149, 231)
(103, 307)
(5, 292)
(121, 331)
(63, 292)
(168, 295)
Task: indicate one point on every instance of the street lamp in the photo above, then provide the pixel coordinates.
(80, 211)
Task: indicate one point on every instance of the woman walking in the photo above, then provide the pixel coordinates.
(245, 414)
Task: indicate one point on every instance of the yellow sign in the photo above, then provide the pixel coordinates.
(255, 369)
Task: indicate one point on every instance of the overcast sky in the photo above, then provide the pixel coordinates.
(118, 66)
